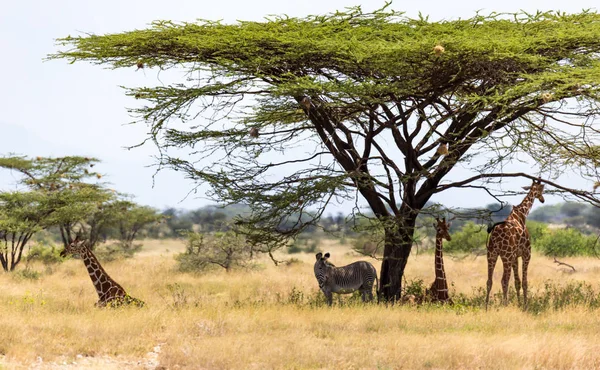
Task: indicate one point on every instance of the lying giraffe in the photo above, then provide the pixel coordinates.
(110, 293)
(439, 288)
(510, 240)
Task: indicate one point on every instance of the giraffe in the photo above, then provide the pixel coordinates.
(110, 293)
(510, 240)
(439, 288)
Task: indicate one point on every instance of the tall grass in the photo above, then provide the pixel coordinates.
(276, 318)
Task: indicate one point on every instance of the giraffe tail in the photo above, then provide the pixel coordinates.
(490, 228)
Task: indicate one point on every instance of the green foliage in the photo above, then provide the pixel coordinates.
(415, 288)
(565, 243)
(224, 249)
(47, 254)
(60, 183)
(21, 216)
(536, 230)
(129, 218)
(470, 238)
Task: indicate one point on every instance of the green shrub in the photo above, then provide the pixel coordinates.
(565, 243)
(470, 238)
(414, 287)
(47, 254)
(536, 230)
(28, 274)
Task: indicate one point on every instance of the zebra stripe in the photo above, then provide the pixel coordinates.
(345, 279)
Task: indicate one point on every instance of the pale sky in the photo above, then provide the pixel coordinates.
(54, 109)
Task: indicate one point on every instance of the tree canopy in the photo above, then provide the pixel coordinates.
(290, 113)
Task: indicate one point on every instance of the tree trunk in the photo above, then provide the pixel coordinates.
(4, 262)
(398, 243)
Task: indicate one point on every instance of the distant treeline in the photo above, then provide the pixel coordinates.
(216, 218)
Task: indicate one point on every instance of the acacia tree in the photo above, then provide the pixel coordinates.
(22, 214)
(68, 198)
(289, 113)
(130, 218)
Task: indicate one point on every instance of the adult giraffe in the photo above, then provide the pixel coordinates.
(110, 293)
(510, 240)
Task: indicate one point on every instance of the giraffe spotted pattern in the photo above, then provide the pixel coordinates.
(439, 288)
(110, 293)
(509, 240)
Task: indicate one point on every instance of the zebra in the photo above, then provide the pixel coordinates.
(345, 279)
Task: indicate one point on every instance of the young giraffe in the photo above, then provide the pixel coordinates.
(110, 293)
(510, 240)
(439, 288)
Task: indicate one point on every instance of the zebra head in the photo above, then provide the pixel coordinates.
(321, 268)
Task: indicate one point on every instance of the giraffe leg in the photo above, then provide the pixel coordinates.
(492, 259)
(505, 278)
(517, 279)
(525, 284)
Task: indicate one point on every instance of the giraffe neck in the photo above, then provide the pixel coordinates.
(440, 274)
(521, 211)
(102, 282)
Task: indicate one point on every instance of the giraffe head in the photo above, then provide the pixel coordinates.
(442, 228)
(537, 188)
(77, 246)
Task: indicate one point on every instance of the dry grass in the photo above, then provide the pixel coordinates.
(271, 318)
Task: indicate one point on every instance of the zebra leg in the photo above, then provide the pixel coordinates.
(366, 297)
(328, 296)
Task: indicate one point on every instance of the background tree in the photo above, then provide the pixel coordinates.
(22, 214)
(63, 179)
(224, 249)
(376, 105)
(131, 218)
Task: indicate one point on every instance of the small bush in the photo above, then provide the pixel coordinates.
(414, 287)
(28, 274)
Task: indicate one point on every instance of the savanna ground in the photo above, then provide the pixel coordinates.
(274, 317)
